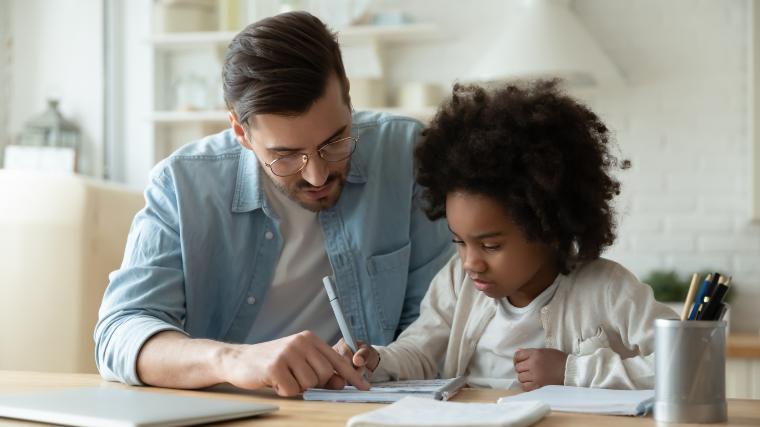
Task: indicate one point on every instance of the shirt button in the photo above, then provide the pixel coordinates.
(251, 300)
(269, 235)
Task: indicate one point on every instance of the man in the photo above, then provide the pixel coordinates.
(221, 279)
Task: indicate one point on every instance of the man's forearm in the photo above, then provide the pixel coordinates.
(171, 359)
(289, 365)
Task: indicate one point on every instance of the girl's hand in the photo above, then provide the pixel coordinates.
(366, 358)
(537, 367)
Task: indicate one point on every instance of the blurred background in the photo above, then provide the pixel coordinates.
(94, 92)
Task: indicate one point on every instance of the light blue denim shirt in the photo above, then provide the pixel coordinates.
(201, 255)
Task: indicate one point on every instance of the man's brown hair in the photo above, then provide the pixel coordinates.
(280, 65)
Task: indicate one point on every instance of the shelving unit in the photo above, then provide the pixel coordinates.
(199, 55)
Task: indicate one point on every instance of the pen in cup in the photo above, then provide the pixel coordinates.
(700, 296)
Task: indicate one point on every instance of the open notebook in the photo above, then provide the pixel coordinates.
(413, 411)
(589, 400)
(391, 391)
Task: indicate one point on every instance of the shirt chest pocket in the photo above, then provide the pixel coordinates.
(597, 340)
(388, 275)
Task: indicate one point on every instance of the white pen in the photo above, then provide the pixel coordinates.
(335, 304)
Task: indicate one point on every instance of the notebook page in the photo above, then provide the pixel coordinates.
(589, 400)
(413, 411)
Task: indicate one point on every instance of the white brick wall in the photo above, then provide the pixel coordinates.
(686, 110)
(682, 118)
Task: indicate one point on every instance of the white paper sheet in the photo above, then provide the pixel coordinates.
(589, 400)
(413, 411)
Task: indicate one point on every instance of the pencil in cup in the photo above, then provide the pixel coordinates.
(690, 296)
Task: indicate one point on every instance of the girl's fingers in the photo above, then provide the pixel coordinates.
(360, 358)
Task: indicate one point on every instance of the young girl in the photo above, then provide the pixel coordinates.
(522, 174)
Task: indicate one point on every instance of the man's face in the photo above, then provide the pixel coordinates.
(272, 137)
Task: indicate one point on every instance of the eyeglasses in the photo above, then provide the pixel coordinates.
(336, 151)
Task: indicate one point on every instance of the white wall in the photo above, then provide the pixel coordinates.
(58, 51)
(5, 72)
(136, 143)
(683, 119)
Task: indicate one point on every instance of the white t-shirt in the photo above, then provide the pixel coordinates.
(297, 300)
(510, 329)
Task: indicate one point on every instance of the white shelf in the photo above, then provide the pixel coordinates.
(349, 35)
(169, 117)
(189, 116)
(178, 40)
(389, 33)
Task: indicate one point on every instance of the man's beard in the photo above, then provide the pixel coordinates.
(316, 205)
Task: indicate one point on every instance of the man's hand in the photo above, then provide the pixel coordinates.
(289, 365)
(365, 358)
(537, 367)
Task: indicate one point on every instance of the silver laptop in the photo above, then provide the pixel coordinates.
(118, 407)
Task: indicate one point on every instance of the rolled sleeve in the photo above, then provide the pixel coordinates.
(146, 295)
(121, 344)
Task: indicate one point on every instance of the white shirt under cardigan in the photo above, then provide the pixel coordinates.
(510, 329)
(601, 315)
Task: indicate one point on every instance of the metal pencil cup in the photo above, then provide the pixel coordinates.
(690, 371)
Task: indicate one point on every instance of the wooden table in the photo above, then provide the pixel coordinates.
(296, 412)
(743, 346)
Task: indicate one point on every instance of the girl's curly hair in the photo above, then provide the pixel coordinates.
(542, 154)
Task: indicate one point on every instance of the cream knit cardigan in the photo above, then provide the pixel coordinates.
(601, 315)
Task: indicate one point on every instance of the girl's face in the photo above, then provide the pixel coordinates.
(501, 262)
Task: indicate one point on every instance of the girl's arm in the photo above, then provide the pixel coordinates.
(629, 311)
(418, 352)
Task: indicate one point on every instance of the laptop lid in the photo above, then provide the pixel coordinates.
(120, 407)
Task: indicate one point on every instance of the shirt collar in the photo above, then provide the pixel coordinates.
(249, 195)
(357, 170)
